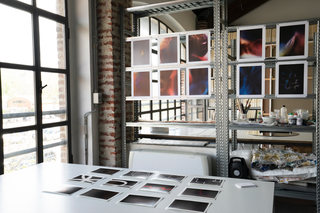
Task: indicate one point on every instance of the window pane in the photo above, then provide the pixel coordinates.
(178, 103)
(156, 116)
(156, 104)
(145, 106)
(171, 103)
(19, 162)
(52, 40)
(26, 1)
(164, 104)
(53, 6)
(171, 115)
(56, 154)
(16, 38)
(17, 98)
(144, 26)
(145, 117)
(54, 135)
(18, 141)
(53, 97)
(169, 30)
(164, 116)
(178, 115)
(163, 28)
(154, 26)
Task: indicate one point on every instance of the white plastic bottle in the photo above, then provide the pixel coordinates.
(284, 113)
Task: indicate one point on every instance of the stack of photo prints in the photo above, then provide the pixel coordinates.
(291, 70)
(207, 189)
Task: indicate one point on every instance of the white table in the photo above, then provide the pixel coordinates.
(23, 191)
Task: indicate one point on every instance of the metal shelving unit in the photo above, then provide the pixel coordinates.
(220, 33)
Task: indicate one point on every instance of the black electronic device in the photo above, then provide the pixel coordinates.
(238, 168)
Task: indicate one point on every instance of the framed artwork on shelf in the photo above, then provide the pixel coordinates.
(198, 82)
(292, 79)
(251, 43)
(169, 49)
(251, 80)
(141, 84)
(141, 52)
(169, 83)
(198, 47)
(292, 40)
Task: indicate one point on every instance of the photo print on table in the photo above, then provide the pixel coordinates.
(137, 174)
(155, 187)
(198, 47)
(207, 181)
(189, 205)
(169, 49)
(251, 43)
(86, 179)
(251, 80)
(204, 193)
(63, 189)
(141, 52)
(169, 86)
(292, 79)
(168, 177)
(141, 84)
(292, 40)
(141, 200)
(199, 82)
(121, 183)
(100, 194)
(106, 171)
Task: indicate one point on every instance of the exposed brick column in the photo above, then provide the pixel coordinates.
(109, 79)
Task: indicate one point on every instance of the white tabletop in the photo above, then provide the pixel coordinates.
(24, 191)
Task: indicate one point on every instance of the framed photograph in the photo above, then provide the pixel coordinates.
(199, 82)
(106, 171)
(169, 49)
(203, 193)
(141, 84)
(169, 83)
(189, 205)
(121, 183)
(86, 179)
(154, 187)
(137, 174)
(100, 194)
(292, 79)
(251, 43)
(251, 80)
(198, 47)
(141, 200)
(207, 181)
(141, 52)
(292, 40)
(64, 189)
(169, 177)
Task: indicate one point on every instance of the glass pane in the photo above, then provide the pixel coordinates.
(178, 115)
(26, 1)
(164, 116)
(156, 116)
(19, 162)
(164, 104)
(155, 104)
(56, 154)
(145, 106)
(53, 97)
(145, 117)
(18, 141)
(169, 30)
(53, 6)
(171, 115)
(171, 103)
(154, 26)
(178, 103)
(144, 26)
(16, 37)
(52, 40)
(54, 135)
(163, 28)
(17, 98)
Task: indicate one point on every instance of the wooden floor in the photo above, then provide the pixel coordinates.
(291, 205)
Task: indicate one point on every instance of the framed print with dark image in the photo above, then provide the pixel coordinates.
(137, 174)
(207, 181)
(106, 171)
(154, 187)
(141, 82)
(189, 205)
(141, 200)
(251, 43)
(100, 194)
(199, 82)
(121, 183)
(168, 177)
(169, 86)
(64, 189)
(169, 49)
(251, 80)
(292, 79)
(204, 193)
(141, 52)
(198, 47)
(86, 179)
(292, 40)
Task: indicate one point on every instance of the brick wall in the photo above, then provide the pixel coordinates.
(109, 79)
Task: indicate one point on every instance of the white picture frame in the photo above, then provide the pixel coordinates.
(286, 34)
(141, 84)
(198, 82)
(289, 77)
(194, 41)
(251, 43)
(141, 52)
(169, 49)
(169, 83)
(251, 80)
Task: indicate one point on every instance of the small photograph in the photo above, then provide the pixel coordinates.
(141, 84)
(137, 174)
(169, 49)
(198, 47)
(204, 193)
(292, 79)
(168, 177)
(292, 40)
(100, 194)
(157, 187)
(64, 189)
(251, 43)
(141, 200)
(198, 82)
(189, 205)
(207, 181)
(121, 183)
(106, 171)
(169, 86)
(250, 80)
(86, 179)
(141, 52)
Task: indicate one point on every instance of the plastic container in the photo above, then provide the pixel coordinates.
(284, 113)
(299, 121)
